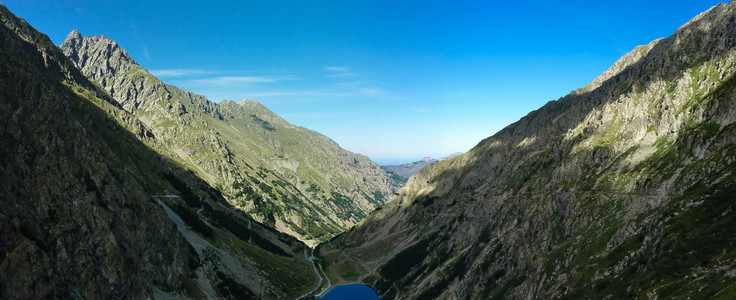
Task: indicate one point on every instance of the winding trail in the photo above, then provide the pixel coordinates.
(311, 259)
(327, 287)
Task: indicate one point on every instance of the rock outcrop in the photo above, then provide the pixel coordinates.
(287, 177)
(622, 189)
(89, 209)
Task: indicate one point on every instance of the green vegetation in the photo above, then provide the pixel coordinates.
(454, 270)
(239, 229)
(346, 208)
(185, 192)
(263, 123)
(230, 289)
(402, 263)
(665, 270)
(250, 154)
(396, 178)
(192, 220)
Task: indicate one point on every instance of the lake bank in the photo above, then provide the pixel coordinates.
(353, 291)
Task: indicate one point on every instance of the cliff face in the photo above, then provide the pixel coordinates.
(285, 176)
(89, 209)
(77, 218)
(621, 189)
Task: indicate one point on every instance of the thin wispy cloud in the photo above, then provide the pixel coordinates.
(346, 74)
(179, 72)
(349, 83)
(145, 52)
(338, 71)
(134, 31)
(232, 80)
(320, 115)
(300, 93)
(371, 91)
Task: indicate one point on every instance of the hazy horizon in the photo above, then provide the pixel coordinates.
(394, 81)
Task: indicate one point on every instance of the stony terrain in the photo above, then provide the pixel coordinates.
(621, 189)
(287, 177)
(89, 209)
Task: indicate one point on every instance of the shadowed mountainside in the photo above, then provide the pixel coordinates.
(89, 209)
(287, 177)
(621, 189)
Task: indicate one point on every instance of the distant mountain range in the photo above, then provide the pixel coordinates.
(409, 169)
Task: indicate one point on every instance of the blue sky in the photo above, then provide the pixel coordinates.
(395, 80)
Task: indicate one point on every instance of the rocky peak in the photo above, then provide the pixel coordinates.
(717, 9)
(307, 165)
(97, 56)
(621, 64)
(69, 227)
(73, 37)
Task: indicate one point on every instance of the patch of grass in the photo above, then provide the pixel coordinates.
(689, 240)
(508, 285)
(239, 229)
(263, 123)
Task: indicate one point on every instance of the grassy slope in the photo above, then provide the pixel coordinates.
(621, 190)
(262, 164)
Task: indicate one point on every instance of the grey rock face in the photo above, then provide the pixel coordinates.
(89, 209)
(622, 189)
(76, 218)
(288, 177)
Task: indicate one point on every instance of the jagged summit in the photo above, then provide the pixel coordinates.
(290, 178)
(92, 208)
(621, 64)
(97, 57)
(74, 35)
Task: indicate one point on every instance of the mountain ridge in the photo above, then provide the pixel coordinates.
(588, 196)
(407, 170)
(91, 210)
(288, 177)
(622, 189)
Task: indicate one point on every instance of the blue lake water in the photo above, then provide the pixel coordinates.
(351, 291)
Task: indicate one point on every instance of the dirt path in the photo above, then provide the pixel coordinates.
(314, 266)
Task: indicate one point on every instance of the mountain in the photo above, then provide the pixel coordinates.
(624, 188)
(90, 209)
(409, 169)
(287, 177)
